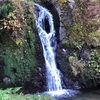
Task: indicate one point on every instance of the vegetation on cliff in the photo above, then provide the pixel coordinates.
(17, 39)
(83, 36)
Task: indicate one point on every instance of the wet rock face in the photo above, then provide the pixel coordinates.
(40, 77)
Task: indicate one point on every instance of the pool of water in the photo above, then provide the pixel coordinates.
(87, 95)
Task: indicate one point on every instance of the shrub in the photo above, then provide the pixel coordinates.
(10, 94)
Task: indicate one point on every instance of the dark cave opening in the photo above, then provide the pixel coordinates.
(46, 25)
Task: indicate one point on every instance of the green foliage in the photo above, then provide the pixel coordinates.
(18, 43)
(75, 65)
(19, 62)
(5, 94)
(93, 68)
(89, 70)
(62, 2)
(10, 94)
(10, 22)
(7, 20)
(42, 97)
(80, 5)
(94, 39)
(6, 9)
(77, 35)
(30, 97)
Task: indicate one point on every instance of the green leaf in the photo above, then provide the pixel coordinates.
(16, 89)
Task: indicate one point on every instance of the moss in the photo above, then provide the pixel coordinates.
(18, 42)
(19, 62)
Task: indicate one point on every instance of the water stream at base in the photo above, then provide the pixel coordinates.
(49, 46)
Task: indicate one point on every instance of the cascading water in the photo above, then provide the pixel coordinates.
(49, 44)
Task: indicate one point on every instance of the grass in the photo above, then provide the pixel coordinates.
(11, 94)
(30, 97)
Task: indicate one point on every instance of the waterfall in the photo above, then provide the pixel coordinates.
(46, 31)
(49, 46)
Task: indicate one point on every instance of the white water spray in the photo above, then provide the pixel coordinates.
(49, 46)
